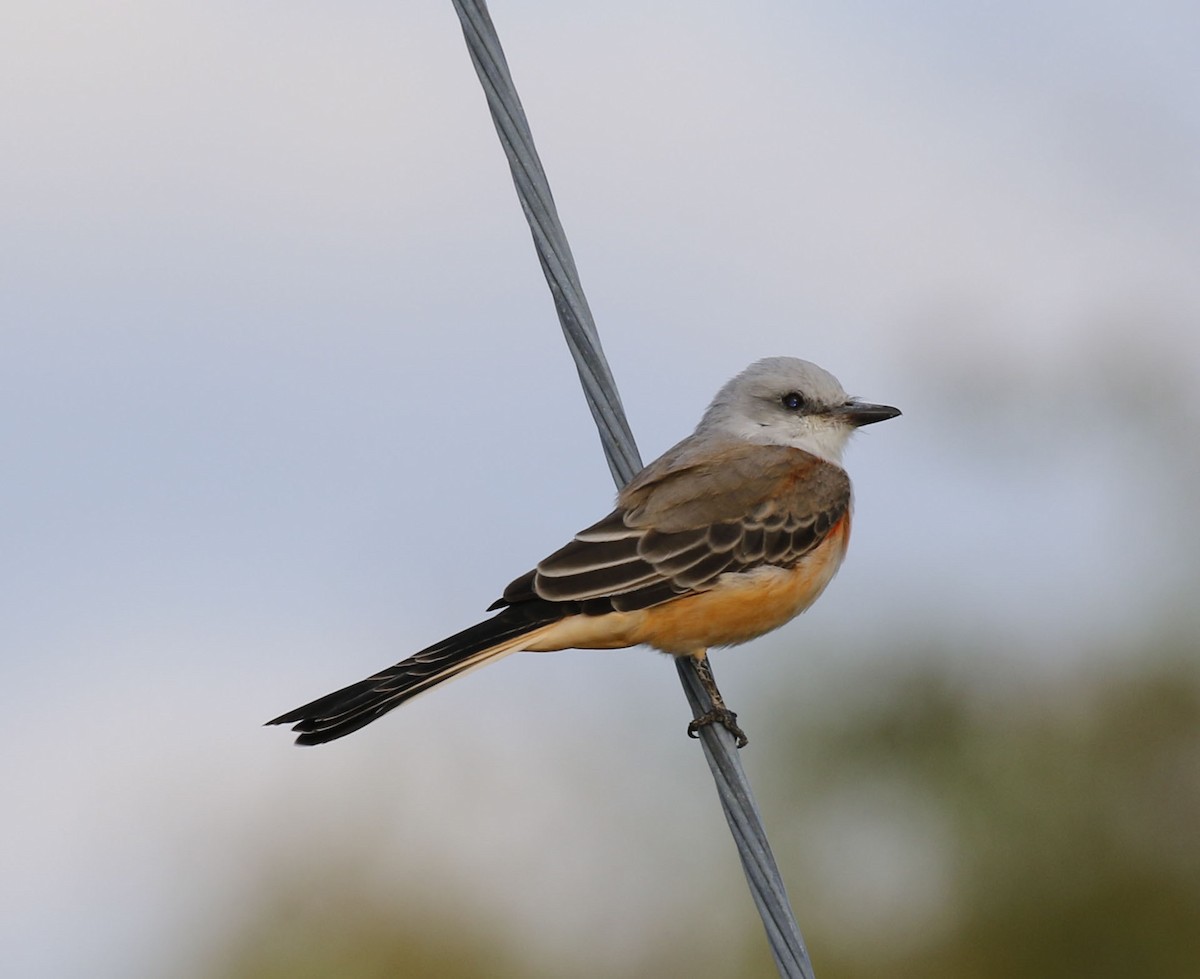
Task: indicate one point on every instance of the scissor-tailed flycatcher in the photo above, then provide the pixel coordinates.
(726, 536)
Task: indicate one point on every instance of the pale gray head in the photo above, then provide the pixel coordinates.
(788, 401)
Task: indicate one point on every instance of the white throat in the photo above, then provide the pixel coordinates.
(820, 436)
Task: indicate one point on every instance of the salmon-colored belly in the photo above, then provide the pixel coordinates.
(740, 607)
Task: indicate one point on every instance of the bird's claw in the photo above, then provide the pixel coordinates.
(723, 716)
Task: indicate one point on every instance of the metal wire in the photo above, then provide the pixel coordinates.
(554, 253)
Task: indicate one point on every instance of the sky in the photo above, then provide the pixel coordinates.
(283, 398)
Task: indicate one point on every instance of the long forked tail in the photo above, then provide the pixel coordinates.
(344, 711)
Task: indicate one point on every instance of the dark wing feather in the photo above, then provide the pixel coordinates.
(678, 527)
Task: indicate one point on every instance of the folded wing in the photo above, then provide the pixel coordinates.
(680, 526)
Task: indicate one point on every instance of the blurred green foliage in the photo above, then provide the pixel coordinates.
(1058, 820)
(1068, 817)
(299, 935)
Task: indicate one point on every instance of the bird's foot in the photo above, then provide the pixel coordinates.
(723, 716)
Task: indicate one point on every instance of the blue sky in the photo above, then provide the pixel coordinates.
(282, 395)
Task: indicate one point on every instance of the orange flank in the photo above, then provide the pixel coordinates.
(738, 608)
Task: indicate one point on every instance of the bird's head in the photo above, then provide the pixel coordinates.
(788, 401)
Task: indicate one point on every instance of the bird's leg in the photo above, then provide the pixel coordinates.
(718, 713)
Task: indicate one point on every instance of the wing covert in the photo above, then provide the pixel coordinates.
(678, 527)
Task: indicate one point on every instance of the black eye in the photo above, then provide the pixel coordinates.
(793, 401)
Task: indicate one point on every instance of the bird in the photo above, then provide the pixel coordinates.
(728, 535)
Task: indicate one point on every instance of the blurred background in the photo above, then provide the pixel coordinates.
(283, 398)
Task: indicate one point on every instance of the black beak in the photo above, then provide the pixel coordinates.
(859, 413)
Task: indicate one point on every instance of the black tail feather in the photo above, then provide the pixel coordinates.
(345, 711)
